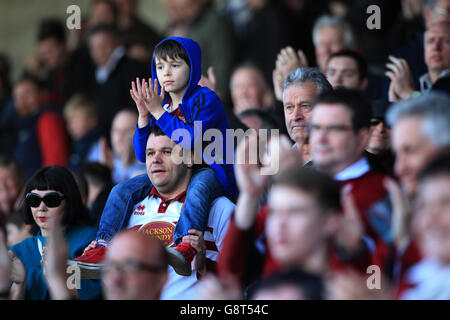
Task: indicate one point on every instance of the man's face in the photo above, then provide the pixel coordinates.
(297, 102)
(101, 45)
(134, 270)
(343, 72)
(330, 40)
(295, 225)
(173, 74)
(380, 136)
(334, 144)
(247, 91)
(26, 97)
(51, 53)
(437, 48)
(164, 174)
(412, 149)
(122, 131)
(433, 217)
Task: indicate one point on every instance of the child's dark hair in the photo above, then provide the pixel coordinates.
(171, 49)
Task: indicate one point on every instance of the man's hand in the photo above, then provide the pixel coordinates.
(195, 239)
(402, 84)
(287, 61)
(148, 100)
(401, 214)
(351, 229)
(54, 262)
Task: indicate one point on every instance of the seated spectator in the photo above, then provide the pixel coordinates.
(380, 137)
(428, 279)
(82, 121)
(51, 193)
(113, 72)
(99, 181)
(437, 59)
(16, 229)
(300, 227)
(420, 133)
(248, 89)
(41, 138)
(299, 91)
(12, 180)
(123, 162)
(347, 68)
(135, 267)
(331, 34)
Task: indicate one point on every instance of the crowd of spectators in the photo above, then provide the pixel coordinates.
(363, 120)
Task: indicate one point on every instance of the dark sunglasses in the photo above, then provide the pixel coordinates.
(51, 199)
(377, 121)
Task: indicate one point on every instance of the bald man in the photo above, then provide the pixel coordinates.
(135, 267)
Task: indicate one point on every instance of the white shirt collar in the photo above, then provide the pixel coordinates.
(102, 73)
(425, 81)
(354, 171)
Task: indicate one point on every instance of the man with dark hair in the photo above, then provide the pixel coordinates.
(41, 138)
(340, 132)
(113, 72)
(347, 68)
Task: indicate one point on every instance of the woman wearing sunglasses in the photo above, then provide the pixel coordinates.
(51, 193)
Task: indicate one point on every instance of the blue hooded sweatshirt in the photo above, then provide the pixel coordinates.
(202, 110)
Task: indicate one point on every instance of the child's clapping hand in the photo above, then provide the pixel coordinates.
(148, 100)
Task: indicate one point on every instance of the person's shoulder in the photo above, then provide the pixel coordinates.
(23, 246)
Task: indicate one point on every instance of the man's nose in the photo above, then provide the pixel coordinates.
(298, 113)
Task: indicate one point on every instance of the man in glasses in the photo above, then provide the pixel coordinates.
(135, 268)
(339, 134)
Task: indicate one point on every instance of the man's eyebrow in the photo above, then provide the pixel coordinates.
(162, 148)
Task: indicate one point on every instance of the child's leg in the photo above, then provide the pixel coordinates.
(203, 188)
(120, 203)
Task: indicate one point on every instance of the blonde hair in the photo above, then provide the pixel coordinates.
(82, 103)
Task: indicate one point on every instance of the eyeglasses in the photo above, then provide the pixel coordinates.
(51, 199)
(377, 121)
(131, 266)
(333, 129)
